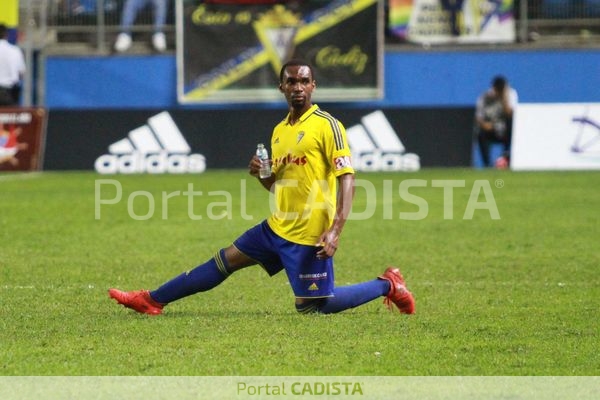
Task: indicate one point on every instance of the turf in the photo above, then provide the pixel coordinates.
(518, 295)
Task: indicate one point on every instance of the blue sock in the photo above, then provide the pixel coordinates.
(202, 278)
(354, 295)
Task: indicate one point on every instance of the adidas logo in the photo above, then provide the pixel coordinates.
(157, 148)
(376, 147)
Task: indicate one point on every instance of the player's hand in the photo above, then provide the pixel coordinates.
(328, 244)
(254, 166)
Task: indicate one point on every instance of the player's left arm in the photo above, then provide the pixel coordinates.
(345, 195)
(338, 153)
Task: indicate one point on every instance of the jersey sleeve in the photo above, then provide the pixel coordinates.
(337, 149)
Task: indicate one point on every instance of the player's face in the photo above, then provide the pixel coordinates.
(297, 86)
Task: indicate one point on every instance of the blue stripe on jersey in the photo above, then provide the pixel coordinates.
(337, 133)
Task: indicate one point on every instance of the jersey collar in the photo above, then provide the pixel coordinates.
(304, 116)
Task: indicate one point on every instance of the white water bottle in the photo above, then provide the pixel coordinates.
(265, 167)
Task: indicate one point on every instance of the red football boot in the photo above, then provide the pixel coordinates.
(138, 300)
(398, 294)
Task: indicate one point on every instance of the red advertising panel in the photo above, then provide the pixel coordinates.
(22, 135)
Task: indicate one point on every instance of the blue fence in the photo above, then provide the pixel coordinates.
(412, 79)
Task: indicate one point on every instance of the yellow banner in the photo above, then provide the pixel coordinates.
(9, 13)
(248, 45)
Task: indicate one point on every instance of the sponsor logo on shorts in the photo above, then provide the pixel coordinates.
(321, 275)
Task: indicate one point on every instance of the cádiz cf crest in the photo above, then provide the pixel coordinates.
(276, 29)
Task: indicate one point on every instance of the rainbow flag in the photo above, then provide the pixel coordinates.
(399, 16)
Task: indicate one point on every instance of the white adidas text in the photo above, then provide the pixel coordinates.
(136, 163)
(157, 147)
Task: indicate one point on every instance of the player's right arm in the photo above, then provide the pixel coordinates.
(254, 167)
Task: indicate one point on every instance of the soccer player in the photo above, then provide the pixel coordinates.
(313, 182)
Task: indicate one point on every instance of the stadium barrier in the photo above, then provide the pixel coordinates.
(56, 24)
(556, 137)
(190, 141)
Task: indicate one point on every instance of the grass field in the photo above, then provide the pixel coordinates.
(518, 295)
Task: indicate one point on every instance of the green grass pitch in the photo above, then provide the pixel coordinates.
(518, 295)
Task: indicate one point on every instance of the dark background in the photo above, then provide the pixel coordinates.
(228, 138)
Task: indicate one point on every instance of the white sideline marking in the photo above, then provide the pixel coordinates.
(20, 175)
(30, 287)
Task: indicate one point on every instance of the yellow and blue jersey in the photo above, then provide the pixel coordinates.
(307, 156)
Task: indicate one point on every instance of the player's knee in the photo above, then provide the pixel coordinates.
(309, 306)
(233, 260)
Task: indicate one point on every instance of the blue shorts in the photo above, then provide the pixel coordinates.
(309, 277)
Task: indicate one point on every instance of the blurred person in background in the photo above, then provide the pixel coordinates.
(493, 120)
(454, 9)
(12, 69)
(131, 9)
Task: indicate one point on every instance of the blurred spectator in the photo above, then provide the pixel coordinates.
(131, 10)
(454, 8)
(12, 69)
(78, 7)
(493, 118)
